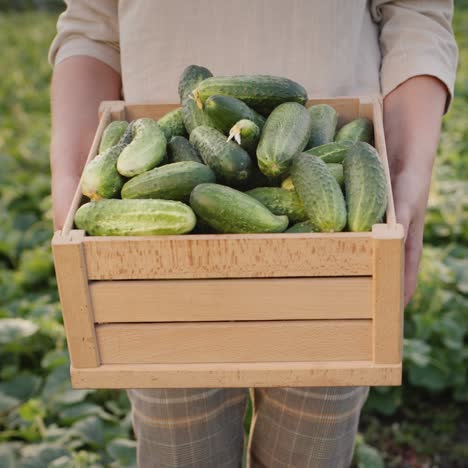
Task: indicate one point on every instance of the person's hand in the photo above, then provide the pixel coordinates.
(412, 120)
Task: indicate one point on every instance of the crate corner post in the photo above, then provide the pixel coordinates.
(388, 264)
(73, 286)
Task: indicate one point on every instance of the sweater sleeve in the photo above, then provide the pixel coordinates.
(88, 27)
(416, 38)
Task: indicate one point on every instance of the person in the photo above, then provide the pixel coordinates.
(403, 50)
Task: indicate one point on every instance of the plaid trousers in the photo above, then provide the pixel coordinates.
(203, 428)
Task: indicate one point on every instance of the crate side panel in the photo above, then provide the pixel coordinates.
(229, 256)
(310, 340)
(232, 299)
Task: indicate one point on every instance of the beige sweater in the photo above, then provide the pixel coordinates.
(332, 47)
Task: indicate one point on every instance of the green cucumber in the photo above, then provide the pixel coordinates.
(100, 177)
(226, 111)
(192, 115)
(324, 120)
(112, 134)
(231, 163)
(230, 211)
(260, 92)
(285, 134)
(247, 134)
(127, 136)
(172, 124)
(357, 130)
(337, 172)
(335, 169)
(190, 78)
(170, 182)
(280, 202)
(135, 218)
(179, 149)
(147, 149)
(303, 226)
(365, 187)
(319, 192)
(334, 152)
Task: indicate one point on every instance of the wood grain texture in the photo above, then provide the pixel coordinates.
(136, 111)
(149, 343)
(115, 108)
(104, 120)
(273, 374)
(70, 269)
(229, 256)
(232, 299)
(388, 293)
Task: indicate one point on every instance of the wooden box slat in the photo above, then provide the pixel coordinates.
(301, 340)
(239, 374)
(229, 256)
(233, 299)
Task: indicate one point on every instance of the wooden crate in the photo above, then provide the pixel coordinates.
(233, 310)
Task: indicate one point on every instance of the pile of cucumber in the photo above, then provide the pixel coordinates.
(242, 154)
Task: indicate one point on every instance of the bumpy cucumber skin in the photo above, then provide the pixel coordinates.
(231, 163)
(260, 92)
(226, 111)
(100, 176)
(334, 152)
(112, 134)
(170, 182)
(147, 149)
(324, 120)
(127, 136)
(247, 134)
(337, 172)
(357, 130)
(319, 192)
(192, 115)
(230, 211)
(189, 79)
(280, 202)
(285, 134)
(303, 226)
(179, 149)
(365, 187)
(172, 124)
(135, 218)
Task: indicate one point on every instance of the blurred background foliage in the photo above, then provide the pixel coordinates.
(44, 423)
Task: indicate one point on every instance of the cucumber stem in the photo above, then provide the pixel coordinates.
(196, 96)
(235, 133)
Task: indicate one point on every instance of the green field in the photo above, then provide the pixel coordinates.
(43, 423)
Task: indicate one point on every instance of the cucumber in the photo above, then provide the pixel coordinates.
(112, 134)
(170, 182)
(246, 133)
(337, 172)
(100, 177)
(230, 211)
(280, 202)
(356, 130)
(147, 149)
(285, 134)
(365, 187)
(172, 124)
(334, 152)
(192, 115)
(324, 120)
(260, 92)
(135, 218)
(127, 136)
(303, 226)
(190, 78)
(230, 162)
(226, 111)
(335, 169)
(179, 149)
(319, 192)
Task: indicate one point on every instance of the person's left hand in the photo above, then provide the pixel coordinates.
(412, 120)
